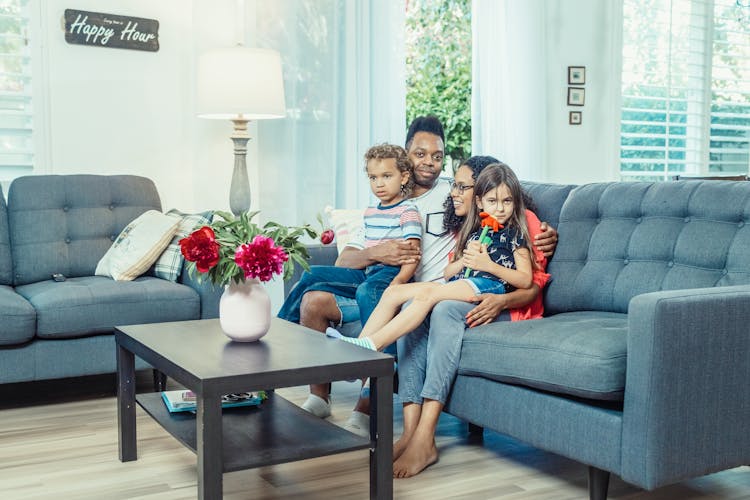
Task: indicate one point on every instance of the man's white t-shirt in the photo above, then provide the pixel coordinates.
(437, 242)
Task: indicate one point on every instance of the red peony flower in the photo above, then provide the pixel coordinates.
(260, 258)
(201, 247)
(326, 236)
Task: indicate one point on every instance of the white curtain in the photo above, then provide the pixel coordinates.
(344, 80)
(508, 83)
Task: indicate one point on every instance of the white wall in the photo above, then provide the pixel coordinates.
(583, 33)
(118, 111)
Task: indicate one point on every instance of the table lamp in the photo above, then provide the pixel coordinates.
(240, 84)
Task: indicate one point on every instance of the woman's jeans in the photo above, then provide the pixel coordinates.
(366, 286)
(428, 357)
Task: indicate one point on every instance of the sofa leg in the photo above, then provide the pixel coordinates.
(476, 430)
(598, 483)
(160, 381)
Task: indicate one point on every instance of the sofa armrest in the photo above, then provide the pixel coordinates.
(687, 388)
(208, 292)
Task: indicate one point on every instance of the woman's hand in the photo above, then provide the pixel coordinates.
(546, 241)
(476, 258)
(489, 305)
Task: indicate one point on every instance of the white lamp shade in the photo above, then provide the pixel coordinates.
(240, 80)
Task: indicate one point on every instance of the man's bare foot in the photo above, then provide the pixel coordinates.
(418, 455)
(400, 445)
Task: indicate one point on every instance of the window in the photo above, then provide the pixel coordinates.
(685, 88)
(16, 117)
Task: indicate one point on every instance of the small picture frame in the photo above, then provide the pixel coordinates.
(576, 96)
(576, 75)
(575, 117)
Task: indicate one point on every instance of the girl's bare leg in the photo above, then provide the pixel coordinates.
(413, 315)
(390, 304)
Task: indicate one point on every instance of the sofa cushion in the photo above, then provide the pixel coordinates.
(95, 304)
(66, 223)
(138, 246)
(6, 263)
(618, 240)
(548, 198)
(581, 353)
(17, 318)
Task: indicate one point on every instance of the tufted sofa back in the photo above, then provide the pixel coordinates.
(6, 264)
(621, 239)
(66, 223)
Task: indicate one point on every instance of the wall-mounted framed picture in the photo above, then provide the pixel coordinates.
(575, 117)
(576, 96)
(576, 75)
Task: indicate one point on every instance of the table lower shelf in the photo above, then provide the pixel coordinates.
(275, 432)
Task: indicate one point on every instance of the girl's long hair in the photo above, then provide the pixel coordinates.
(491, 177)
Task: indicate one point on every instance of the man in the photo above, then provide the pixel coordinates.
(321, 303)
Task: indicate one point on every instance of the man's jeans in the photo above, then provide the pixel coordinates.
(366, 286)
(428, 356)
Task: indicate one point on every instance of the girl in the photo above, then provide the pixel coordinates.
(502, 265)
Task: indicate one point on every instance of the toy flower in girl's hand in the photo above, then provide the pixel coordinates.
(233, 249)
(261, 258)
(201, 248)
(488, 222)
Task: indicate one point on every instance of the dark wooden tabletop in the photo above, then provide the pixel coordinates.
(287, 355)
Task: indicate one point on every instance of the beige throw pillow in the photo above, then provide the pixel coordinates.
(138, 246)
(346, 223)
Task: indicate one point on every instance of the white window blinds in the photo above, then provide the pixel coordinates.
(16, 113)
(685, 88)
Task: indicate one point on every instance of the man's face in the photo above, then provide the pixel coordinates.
(426, 152)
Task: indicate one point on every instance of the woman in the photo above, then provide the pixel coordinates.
(428, 357)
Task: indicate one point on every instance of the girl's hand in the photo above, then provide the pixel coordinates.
(476, 257)
(489, 306)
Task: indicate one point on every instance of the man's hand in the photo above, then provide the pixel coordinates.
(396, 252)
(546, 241)
(488, 308)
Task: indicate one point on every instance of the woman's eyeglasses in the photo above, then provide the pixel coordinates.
(460, 187)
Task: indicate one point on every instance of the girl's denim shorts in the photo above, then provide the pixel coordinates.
(485, 285)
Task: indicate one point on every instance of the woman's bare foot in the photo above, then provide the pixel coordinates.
(400, 445)
(419, 454)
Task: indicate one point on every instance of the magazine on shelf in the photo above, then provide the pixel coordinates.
(184, 400)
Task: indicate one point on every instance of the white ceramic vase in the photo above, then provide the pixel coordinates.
(245, 311)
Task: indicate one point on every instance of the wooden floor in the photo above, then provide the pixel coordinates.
(60, 443)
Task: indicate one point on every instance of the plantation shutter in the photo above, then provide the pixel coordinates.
(16, 112)
(685, 88)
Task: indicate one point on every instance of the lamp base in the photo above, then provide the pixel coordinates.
(239, 189)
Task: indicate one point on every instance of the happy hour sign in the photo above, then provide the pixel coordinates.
(110, 30)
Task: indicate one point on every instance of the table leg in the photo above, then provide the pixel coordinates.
(126, 404)
(209, 447)
(381, 433)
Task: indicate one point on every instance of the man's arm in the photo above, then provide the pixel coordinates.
(546, 241)
(391, 252)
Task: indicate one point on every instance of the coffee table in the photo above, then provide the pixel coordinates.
(199, 356)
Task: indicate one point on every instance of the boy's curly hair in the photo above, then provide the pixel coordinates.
(403, 163)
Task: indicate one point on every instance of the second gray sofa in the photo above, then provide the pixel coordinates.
(64, 224)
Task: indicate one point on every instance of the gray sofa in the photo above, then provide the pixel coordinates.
(641, 366)
(65, 224)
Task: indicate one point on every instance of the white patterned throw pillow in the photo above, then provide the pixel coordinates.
(138, 246)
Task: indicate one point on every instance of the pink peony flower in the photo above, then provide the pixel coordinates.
(260, 258)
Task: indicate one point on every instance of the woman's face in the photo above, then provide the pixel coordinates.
(462, 199)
